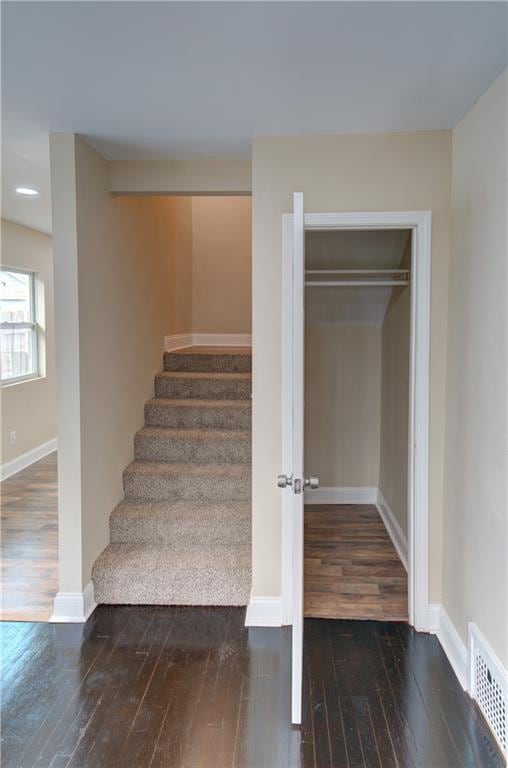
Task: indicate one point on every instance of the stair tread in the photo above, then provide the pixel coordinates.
(211, 375)
(195, 555)
(187, 468)
(162, 574)
(174, 402)
(177, 433)
(181, 523)
(185, 509)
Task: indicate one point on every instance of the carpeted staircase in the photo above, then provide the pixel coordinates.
(181, 536)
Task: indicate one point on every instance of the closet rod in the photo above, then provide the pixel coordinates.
(357, 271)
(350, 283)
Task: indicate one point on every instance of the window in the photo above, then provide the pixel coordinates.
(18, 326)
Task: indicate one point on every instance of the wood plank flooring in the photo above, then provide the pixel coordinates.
(29, 542)
(153, 687)
(352, 570)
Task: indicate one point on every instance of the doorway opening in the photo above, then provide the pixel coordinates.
(295, 227)
(28, 466)
(357, 369)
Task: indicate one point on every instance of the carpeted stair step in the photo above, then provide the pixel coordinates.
(201, 414)
(203, 386)
(206, 482)
(225, 362)
(212, 446)
(181, 523)
(173, 575)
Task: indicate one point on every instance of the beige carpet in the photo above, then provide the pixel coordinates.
(182, 534)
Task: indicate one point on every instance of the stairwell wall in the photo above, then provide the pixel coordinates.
(221, 264)
(132, 275)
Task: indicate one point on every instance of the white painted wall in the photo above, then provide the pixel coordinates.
(475, 544)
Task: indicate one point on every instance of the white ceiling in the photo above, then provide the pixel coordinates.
(359, 305)
(187, 79)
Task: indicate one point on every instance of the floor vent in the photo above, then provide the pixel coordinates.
(489, 685)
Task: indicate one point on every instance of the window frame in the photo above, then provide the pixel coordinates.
(33, 325)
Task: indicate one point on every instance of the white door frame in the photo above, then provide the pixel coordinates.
(418, 481)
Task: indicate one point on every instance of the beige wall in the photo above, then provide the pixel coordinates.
(174, 235)
(118, 256)
(405, 171)
(394, 438)
(475, 552)
(222, 264)
(342, 403)
(181, 177)
(29, 407)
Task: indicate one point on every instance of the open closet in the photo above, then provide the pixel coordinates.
(357, 368)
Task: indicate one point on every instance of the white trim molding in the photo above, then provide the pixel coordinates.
(397, 535)
(74, 607)
(456, 652)
(177, 341)
(222, 339)
(342, 495)
(182, 340)
(264, 612)
(26, 459)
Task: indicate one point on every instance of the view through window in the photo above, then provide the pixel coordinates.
(18, 325)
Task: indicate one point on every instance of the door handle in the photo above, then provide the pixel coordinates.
(311, 483)
(285, 481)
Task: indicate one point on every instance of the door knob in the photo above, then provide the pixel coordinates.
(311, 482)
(283, 481)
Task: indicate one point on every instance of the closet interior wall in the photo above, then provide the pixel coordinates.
(357, 368)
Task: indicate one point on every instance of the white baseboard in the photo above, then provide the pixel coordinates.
(222, 339)
(451, 642)
(396, 533)
(181, 340)
(342, 495)
(24, 461)
(433, 618)
(177, 341)
(74, 607)
(264, 612)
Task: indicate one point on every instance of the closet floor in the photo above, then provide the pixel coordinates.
(352, 570)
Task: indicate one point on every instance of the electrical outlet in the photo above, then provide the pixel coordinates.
(13, 437)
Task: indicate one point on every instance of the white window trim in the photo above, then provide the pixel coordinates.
(33, 324)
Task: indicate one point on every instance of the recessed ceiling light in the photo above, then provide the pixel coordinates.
(28, 191)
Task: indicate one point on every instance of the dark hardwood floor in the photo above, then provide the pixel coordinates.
(352, 570)
(29, 542)
(147, 687)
